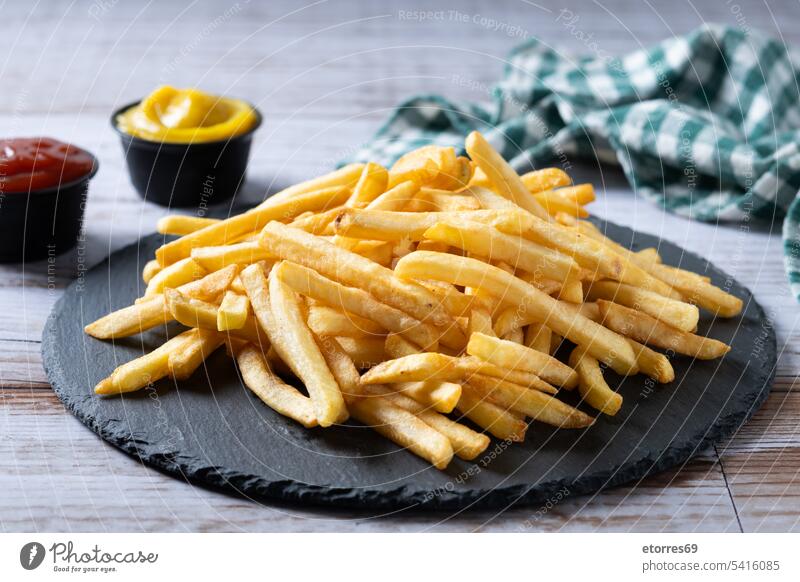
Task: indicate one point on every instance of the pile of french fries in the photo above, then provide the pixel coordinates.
(413, 298)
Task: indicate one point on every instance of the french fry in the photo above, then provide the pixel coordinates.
(295, 344)
(499, 422)
(415, 368)
(467, 444)
(677, 314)
(346, 177)
(537, 337)
(533, 403)
(488, 242)
(501, 175)
(342, 367)
(364, 351)
(197, 347)
(215, 258)
(371, 184)
(545, 179)
(396, 198)
(648, 330)
(233, 311)
(441, 396)
(695, 290)
(405, 429)
(601, 342)
(230, 229)
(506, 354)
(653, 364)
(179, 224)
(351, 269)
(143, 371)
(352, 300)
(327, 321)
(271, 390)
(196, 313)
(149, 270)
(554, 203)
(433, 200)
(592, 386)
(175, 275)
(152, 312)
(480, 321)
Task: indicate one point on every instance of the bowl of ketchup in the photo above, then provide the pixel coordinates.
(43, 186)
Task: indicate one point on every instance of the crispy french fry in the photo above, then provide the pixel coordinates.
(143, 371)
(352, 300)
(488, 242)
(648, 330)
(396, 198)
(351, 269)
(371, 184)
(506, 354)
(179, 224)
(233, 311)
(342, 367)
(327, 321)
(273, 391)
(149, 270)
(601, 342)
(480, 320)
(152, 312)
(215, 258)
(197, 347)
(196, 313)
(415, 368)
(467, 444)
(175, 275)
(346, 176)
(592, 386)
(438, 395)
(545, 179)
(405, 429)
(364, 351)
(554, 203)
(502, 176)
(433, 200)
(532, 403)
(499, 422)
(677, 314)
(230, 229)
(537, 337)
(653, 364)
(694, 289)
(294, 343)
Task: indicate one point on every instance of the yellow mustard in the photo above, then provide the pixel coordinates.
(173, 115)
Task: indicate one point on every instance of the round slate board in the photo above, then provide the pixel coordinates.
(211, 430)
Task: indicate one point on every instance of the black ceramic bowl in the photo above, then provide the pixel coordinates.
(193, 175)
(43, 223)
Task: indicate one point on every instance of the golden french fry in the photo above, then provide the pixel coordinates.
(405, 429)
(537, 337)
(346, 176)
(499, 422)
(554, 203)
(233, 311)
(196, 313)
(415, 368)
(371, 184)
(230, 229)
(352, 300)
(467, 444)
(433, 200)
(153, 311)
(571, 292)
(677, 314)
(327, 321)
(179, 224)
(294, 342)
(545, 179)
(351, 269)
(182, 363)
(175, 275)
(601, 342)
(694, 289)
(143, 371)
(364, 351)
(149, 270)
(215, 258)
(533, 403)
(342, 367)
(653, 364)
(502, 176)
(396, 198)
(648, 330)
(592, 386)
(480, 320)
(271, 390)
(441, 396)
(506, 354)
(488, 242)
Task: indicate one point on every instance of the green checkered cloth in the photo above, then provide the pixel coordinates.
(706, 125)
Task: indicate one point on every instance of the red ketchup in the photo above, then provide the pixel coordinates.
(36, 163)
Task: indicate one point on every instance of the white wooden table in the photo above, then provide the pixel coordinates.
(325, 74)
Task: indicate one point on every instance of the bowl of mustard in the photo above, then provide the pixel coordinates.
(186, 148)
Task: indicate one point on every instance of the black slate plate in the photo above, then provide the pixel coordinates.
(212, 431)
